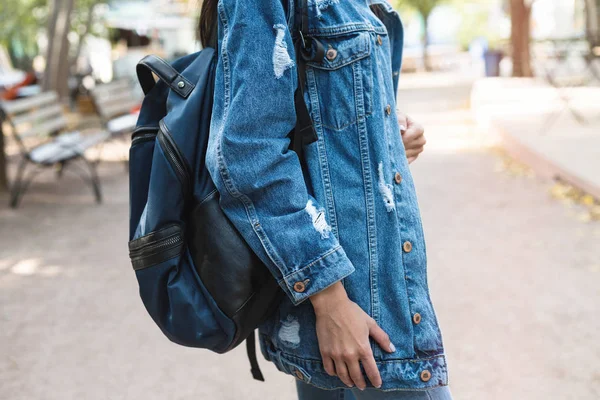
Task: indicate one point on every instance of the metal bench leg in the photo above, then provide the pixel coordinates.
(18, 188)
(94, 179)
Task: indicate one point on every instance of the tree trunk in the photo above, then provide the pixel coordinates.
(57, 59)
(3, 173)
(425, 43)
(520, 15)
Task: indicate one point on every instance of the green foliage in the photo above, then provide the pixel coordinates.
(423, 7)
(476, 23)
(20, 21)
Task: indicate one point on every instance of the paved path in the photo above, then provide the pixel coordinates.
(541, 130)
(514, 275)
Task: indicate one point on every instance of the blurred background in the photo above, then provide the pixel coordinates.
(509, 94)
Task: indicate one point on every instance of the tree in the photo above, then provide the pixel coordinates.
(57, 56)
(520, 36)
(424, 8)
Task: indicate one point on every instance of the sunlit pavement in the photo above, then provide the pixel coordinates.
(514, 276)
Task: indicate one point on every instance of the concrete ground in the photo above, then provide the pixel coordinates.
(554, 131)
(514, 275)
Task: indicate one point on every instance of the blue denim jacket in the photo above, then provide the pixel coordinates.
(353, 215)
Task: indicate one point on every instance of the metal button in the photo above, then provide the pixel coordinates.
(331, 54)
(407, 246)
(425, 375)
(398, 178)
(388, 109)
(181, 84)
(299, 374)
(379, 41)
(417, 318)
(299, 287)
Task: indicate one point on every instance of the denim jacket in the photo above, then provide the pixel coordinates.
(352, 215)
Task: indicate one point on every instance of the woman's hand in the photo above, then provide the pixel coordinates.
(412, 136)
(343, 331)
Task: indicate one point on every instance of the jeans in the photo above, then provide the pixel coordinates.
(309, 392)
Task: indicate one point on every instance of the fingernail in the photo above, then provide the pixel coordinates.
(392, 347)
(378, 386)
(402, 127)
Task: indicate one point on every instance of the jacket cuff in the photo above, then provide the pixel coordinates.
(318, 275)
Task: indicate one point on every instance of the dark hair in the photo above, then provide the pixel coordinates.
(207, 23)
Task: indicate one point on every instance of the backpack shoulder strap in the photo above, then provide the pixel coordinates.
(165, 72)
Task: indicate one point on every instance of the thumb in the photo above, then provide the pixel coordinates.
(402, 122)
(381, 337)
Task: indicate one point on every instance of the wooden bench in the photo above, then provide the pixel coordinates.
(42, 117)
(113, 102)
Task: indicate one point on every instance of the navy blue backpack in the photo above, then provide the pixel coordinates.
(198, 279)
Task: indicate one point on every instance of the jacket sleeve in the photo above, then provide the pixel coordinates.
(260, 182)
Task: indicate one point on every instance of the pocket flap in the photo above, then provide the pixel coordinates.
(342, 50)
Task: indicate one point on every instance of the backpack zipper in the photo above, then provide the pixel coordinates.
(163, 245)
(143, 134)
(174, 156)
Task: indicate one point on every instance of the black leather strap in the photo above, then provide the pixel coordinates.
(307, 48)
(149, 64)
(251, 349)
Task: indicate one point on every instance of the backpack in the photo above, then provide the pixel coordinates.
(198, 279)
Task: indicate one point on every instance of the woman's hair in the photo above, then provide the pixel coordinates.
(207, 23)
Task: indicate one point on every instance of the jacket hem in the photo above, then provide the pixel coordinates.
(397, 375)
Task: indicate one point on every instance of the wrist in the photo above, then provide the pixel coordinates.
(329, 296)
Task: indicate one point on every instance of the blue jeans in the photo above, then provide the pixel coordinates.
(309, 392)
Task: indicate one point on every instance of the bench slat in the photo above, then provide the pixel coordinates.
(37, 115)
(46, 128)
(112, 95)
(120, 108)
(17, 106)
(66, 146)
(109, 87)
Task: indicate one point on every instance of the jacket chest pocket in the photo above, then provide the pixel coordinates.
(341, 84)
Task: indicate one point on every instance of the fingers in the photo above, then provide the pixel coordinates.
(411, 159)
(381, 337)
(368, 362)
(355, 372)
(342, 372)
(328, 365)
(413, 152)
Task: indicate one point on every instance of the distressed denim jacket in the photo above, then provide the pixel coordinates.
(353, 214)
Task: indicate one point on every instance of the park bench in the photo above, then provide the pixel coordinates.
(41, 119)
(114, 102)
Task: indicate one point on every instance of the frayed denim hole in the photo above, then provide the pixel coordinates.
(281, 56)
(318, 219)
(289, 332)
(386, 191)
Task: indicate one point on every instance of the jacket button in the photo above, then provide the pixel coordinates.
(398, 177)
(299, 374)
(407, 246)
(388, 109)
(425, 375)
(299, 287)
(379, 41)
(417, 318)
(331, 54)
